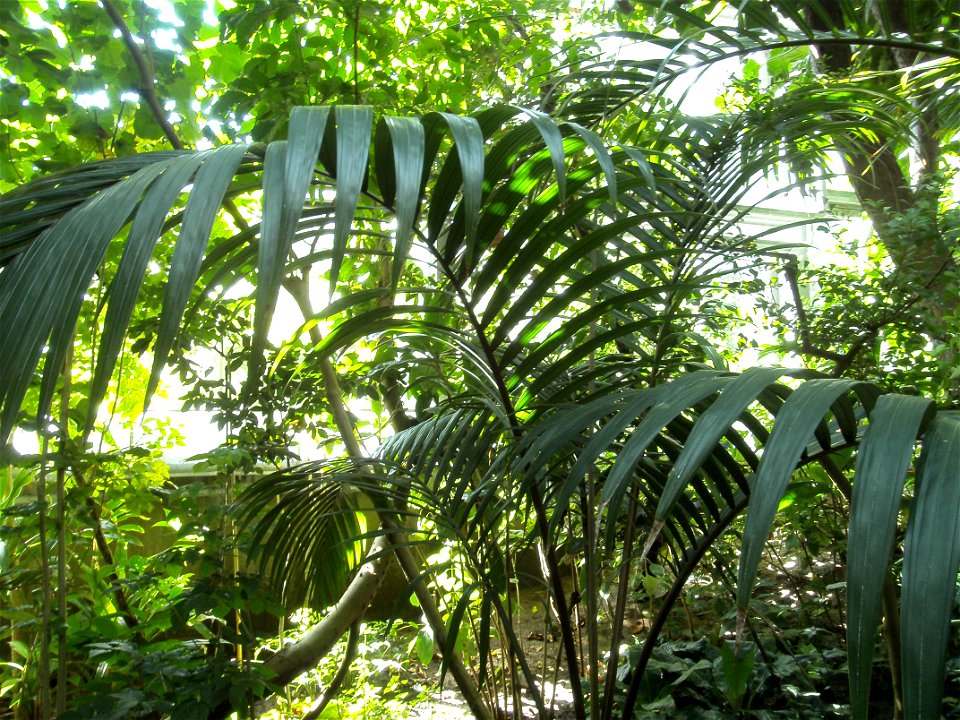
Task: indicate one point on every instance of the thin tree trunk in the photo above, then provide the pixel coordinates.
(918, 249)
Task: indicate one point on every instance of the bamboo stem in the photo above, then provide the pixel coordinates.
(62, 535)
(43, 671)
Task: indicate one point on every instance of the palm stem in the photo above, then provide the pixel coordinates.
(693, 557)
(536, 497)
(62, 536)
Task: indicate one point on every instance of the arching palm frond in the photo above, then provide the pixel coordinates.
(699, 416)
(57, 232)
(308, 536)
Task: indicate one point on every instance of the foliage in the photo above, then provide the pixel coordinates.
(382, 683)
(240, 73)
(528, 301)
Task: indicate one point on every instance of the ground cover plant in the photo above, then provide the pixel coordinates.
(481, 347)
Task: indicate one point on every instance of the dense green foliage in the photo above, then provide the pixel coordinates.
(467, 288)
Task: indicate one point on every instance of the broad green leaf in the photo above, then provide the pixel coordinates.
(424, 646)
(553, 139)
(354, 126)
(602, 154)
(287, 173)
(125, 287)
(270, 262)
(468, 142)
(407, 138)
(710, 427)
(931, 561)
(882, 462)
(644, 165)
(795, 424)
(209, 187)
(65, 257)
(736, 662)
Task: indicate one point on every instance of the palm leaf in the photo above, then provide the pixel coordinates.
(288, 171)
(931, 561)
(882, 464)
(64, 256)
(209, 186)
(798, 418)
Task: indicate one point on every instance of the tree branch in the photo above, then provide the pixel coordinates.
(147, 80)
(106, 554)
(791, 271)
(148, 91)
(298, 287)
(842, 361)
(349, 655)
(294, 660)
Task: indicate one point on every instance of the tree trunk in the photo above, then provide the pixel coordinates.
(296, 659)
(903, 212)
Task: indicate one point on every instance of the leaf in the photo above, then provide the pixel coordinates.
(64, 257)
(424, 645)
(407, 138)
(675, 398)
(453, 629)
(710, 427)
(553, 140)
(271, 263)
(468, 142)
(882, 462)
(736, 662)
(287, 173)
(305, 527)
(483, 643)
(795, 424)
(603, 158)
(125, 287)
(209, 187)
(354, 125)
(931, 561)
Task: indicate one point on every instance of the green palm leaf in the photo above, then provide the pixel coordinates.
(354, 125)
(209, 186)
(931, 562)
(882, 464)
(796, 422)
(64, 256)
(402, 178)
(287, 174)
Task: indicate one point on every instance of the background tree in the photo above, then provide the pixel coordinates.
(823, 59)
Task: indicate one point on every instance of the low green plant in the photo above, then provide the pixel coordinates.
(385, 679)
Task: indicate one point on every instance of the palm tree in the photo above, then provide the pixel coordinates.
(545, 287)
